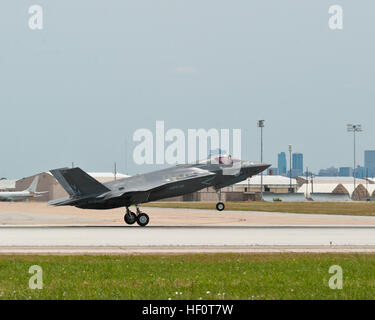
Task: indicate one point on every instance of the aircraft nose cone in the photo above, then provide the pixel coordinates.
(256, 168)
(263, 166)
(259, 165)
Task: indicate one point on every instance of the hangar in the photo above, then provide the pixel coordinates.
(6, 184)
(274, 184)
(337, 191)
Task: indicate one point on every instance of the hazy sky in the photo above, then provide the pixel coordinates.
(99, 70)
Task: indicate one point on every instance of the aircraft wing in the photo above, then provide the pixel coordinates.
(137, 189)
(156, 180)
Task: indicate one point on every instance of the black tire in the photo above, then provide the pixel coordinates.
(143, 219)
(220, 206)
(130, 217)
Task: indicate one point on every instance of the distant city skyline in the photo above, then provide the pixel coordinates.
(365, 170)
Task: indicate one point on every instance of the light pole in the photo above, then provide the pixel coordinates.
(261, 126)
(307, 181)
(290, 168)
(115, 171)
(354, 128)
(367, 184)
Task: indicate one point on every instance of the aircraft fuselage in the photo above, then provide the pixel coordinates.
(180, 181)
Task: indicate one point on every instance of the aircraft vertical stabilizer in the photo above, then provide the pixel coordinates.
(33, 185)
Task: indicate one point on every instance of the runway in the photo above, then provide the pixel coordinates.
(177, 239)
(41, 214)
(35, 228)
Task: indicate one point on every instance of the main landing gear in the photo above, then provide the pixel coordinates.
(140, 217)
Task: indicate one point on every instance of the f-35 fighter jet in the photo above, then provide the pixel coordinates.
(87, 193)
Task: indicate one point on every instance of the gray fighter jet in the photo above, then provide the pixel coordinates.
(87, 193)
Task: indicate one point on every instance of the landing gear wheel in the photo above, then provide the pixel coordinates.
(130, 217)
(220, 206)
(143, 219)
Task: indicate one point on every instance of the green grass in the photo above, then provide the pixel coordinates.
(206, 276)
(342, 208)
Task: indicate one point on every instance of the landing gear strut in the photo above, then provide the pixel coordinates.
(140, 217)
(220, 206)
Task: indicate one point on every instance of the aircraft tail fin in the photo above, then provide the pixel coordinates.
(33, 185)
(77, 182)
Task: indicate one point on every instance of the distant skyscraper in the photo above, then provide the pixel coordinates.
(370, 159)
(346, 172)
(297, 164)
(281, 163)
(360, 172)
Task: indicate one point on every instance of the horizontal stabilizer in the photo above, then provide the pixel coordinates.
(60, 202)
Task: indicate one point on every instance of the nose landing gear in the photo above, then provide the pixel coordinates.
(220, 206)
